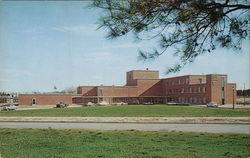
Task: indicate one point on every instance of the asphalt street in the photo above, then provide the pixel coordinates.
(211, 128)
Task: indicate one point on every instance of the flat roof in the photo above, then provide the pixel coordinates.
(194, 75)
(109, 86)
(49, 94)
(145, 70)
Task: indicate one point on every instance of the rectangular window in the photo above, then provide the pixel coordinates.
(200, 80)
(204, 100)
(200, 100)
(204, 89)
(100, 92)
(130, 77)
(223, 81)
(195, 100)
(222, 95)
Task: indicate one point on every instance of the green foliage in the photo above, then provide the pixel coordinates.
(42, 143)
(191, 27)
(132, 110)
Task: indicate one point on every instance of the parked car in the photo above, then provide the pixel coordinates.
(148, 103)
(90, 104)
(10, 107)
(103, 103)
(171, 103)
(121, 103)
(212, 104)
(181, 104)
(184, 104)
(61, 105)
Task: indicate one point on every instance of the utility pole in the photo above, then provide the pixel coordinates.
(233, 97)
(244, 95)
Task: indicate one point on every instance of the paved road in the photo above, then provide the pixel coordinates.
(211, 128)
(152, 120)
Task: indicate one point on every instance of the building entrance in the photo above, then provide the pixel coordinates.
(33, 101)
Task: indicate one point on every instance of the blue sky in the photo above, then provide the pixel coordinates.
(52, 43)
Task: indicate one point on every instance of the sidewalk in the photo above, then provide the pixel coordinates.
(164, 120)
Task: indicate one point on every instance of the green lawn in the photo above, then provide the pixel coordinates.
(133, 110)
(42, 143)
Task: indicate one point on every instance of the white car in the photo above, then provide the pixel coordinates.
(10, 107)
(121, 103)
(103, 103)
(171, 103)
(90, 104)
(212, 104)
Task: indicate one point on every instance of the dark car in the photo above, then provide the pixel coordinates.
(148, 103)
(61, 105)
(212, 104)
(184, 104)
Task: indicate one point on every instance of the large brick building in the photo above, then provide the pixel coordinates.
(146, 86)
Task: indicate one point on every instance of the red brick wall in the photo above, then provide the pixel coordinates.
(144, 85)
(44, 99)
(183, 80)
(132, 76)
(152, 88)
(180, 91)
(87, 90)
(145, 74)
(229, 93)
(217, 94)
(117, 91)
(197, 79)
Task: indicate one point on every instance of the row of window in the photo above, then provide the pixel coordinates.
(178, 82)
(188, 90)
(183, 81)
(194, 100)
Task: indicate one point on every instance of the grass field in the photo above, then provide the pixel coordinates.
(133, 110)
(36, 143)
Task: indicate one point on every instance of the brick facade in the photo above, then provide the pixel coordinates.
(145, 86)
(43, 99)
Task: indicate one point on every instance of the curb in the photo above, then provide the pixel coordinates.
(166, 120)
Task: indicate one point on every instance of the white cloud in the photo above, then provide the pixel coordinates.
(35, 30)
(4, 72)
(87, 30)
(97, 56)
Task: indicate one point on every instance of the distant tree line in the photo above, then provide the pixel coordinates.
(243, 92)
(70, 90)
